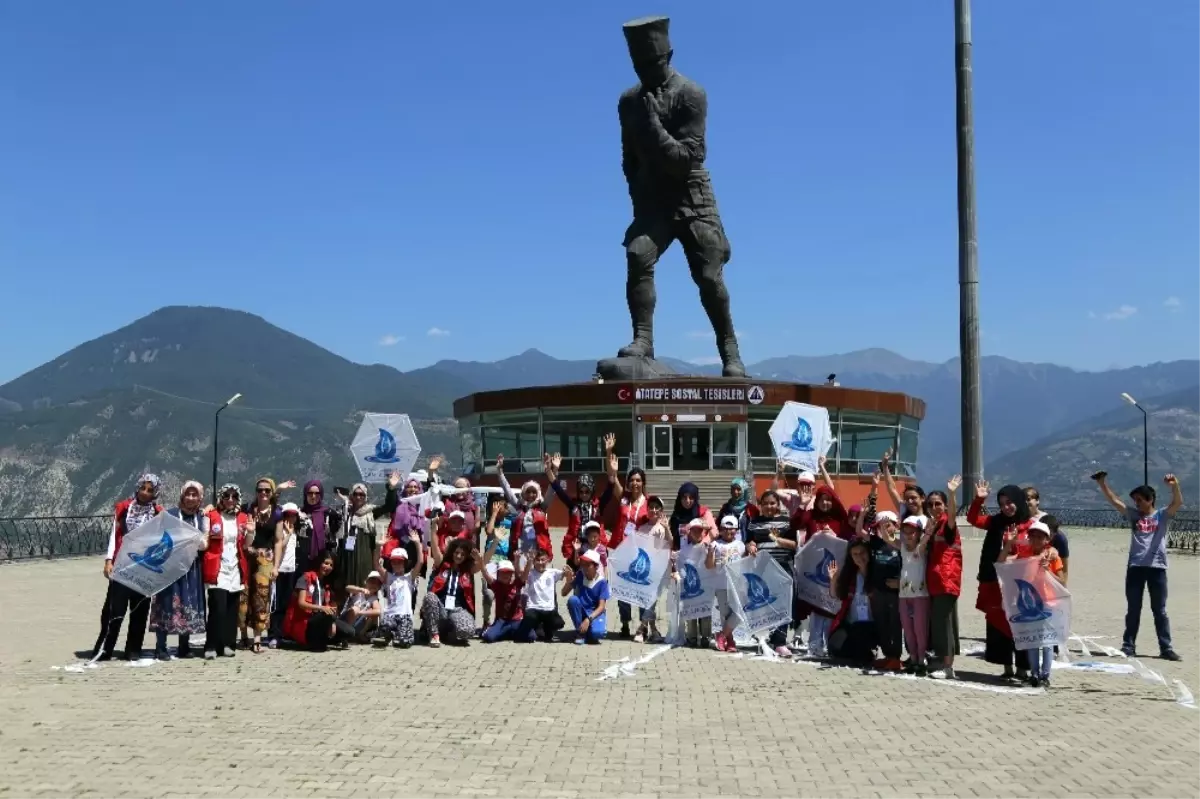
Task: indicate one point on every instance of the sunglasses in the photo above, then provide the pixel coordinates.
(312, 493)
(355, 494)
(263, 490)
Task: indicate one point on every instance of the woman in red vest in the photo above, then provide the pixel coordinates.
(226, 569)
(632, 513)
(312, 618)
(128, 515)
(944, 577)
(1013, 519)
(449, 605)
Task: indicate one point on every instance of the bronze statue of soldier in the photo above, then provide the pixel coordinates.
(663, 149)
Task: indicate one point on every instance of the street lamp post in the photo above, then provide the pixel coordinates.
(216, 437)
(1145, 438)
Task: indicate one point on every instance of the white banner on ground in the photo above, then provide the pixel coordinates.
(1037, 605)
(801, 435)
(811, 570)
(698, 584)
(636, 569)
(156, 554)
(760, 592)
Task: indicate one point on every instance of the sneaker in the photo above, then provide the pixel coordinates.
(910, 666)
(227, 652)
(639, 638)
(379, 642)
(1045, 682)
(435, 641)
(210, 655)
(400, 644)
(579, 642)
(272, 643)
(921, 670)
(1022, 675)
(943, 673)
(1171, 655)
(1128, 651)
(104, 656)
(625, 630)
(183, 652)
(162, 654)
(783, 651)
(1034, 682)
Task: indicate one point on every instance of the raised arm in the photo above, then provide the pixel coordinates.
(418, 558)
(611, 466)
(825, 473)
(952, 498)
(975, 515)
(1176, 494)
(553, 462)
(1101, 479)
(889, 483)
(391, 500)
(780, 480)
(509, 495)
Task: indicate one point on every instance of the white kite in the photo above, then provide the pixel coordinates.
(385, 443)
(1037, 605)
(801, 434)
(636, 568)
(156, 554)
(760, 592)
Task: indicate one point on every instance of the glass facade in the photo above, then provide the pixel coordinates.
(861, 439)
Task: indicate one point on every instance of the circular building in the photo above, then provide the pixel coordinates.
(704, 430)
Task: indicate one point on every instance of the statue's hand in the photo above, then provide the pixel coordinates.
(653, 107)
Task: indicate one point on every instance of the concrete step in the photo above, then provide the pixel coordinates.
(713, 485)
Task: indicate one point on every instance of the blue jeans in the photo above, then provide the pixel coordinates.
(1137, 579)
(596, 629)
(499, 630)
(1039, 661)
(645, 615)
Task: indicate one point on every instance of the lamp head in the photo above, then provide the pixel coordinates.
(234, 399)
(1128, 398)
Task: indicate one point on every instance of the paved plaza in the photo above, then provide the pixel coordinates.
(532, 720)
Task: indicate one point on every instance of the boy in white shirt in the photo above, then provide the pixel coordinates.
(396, 624)
(541, 614)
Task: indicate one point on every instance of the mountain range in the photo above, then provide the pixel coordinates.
(77, 430)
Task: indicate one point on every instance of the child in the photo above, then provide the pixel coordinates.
(506, 588)
(655, 526)
(495, 550)
(914, 593)
(396, 624)
(541, 615)
(852, 636)
(362, 607)
(726, 550)
(1036, 545)
(594, 541)
(696, 631)
(588, 600)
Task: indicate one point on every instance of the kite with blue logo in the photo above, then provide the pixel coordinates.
(698, 584)
(385, 443)
(1037, 605)
(156, 554)
(636, 569)
(760, 592)
(801, 434)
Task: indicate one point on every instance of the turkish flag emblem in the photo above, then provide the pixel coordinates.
(624, 395)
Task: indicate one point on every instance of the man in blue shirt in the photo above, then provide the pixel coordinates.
(1147, 567)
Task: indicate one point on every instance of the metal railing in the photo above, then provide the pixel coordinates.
(53, 536)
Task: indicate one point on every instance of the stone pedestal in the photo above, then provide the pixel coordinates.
(636, 368)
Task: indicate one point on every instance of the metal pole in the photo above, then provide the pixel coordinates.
(1145, 446)
(216, 436)
(968, 256)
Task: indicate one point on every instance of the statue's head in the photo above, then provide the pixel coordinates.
(649, 49)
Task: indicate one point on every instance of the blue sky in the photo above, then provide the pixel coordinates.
(331, 166)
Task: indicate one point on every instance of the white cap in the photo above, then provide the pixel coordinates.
(1041, 527)
(505, 566)
(399, 553)
(591, 556)
(696, 522)
(886, 516)
(916, 520)
(457, 514)
(806, 477)
(376, 575)
(729, 521)
(289, 507)
(421, 475)
(591, 524)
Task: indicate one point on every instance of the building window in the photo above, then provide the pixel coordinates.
(471, 444)
(518, 443)
(861, 447)
(594, 414)
(581, 443)
(725, 446)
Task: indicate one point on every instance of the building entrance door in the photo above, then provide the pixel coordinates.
(659, 448)
(692, 447)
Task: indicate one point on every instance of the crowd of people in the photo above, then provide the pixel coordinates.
(317, 574)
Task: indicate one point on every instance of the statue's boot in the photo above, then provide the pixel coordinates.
(642, 345)
(731, 358)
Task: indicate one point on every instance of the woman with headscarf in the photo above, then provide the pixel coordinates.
(828, 513)
(128, 515)
(687, 509)
(738, 502)
(1013, 520)
(226, 570)
(254, 610)
(318, 536)
(357, 549)
(408, 519)
(179, 609)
